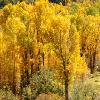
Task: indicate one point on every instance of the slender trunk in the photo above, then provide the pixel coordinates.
(14, 72)
(43, 58)
(38, 40)
(66, 80)
(66, 85)
(64, 63)
(27, 76)
(26, 68)
(48, 61)
(38, 67)
(31, 63)
(32, 69)
(94, 59)
(14, 81)
(90, 63)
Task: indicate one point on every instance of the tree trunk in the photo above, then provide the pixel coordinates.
(92, 62)
(66, 81)
(31, 62)
(32, 69)
(14, 72)
(26, 67)
(38, 67)
(43, 58)
(25, 75)
(94, 59)
(66, 85)
(14, 82)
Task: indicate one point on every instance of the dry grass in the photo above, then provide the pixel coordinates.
(49, 97)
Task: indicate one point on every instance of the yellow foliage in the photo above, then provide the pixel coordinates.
(46, 35)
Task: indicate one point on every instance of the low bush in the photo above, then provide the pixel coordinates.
(6, 94)
(83, 91)
(42, 82)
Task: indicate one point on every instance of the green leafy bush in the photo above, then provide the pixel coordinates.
(82, 91)
(6, 94)
(42, 82)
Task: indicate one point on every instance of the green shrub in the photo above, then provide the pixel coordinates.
(82, 91)
(42, 82)
(6, 94)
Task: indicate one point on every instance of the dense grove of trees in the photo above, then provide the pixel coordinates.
(46, 47)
